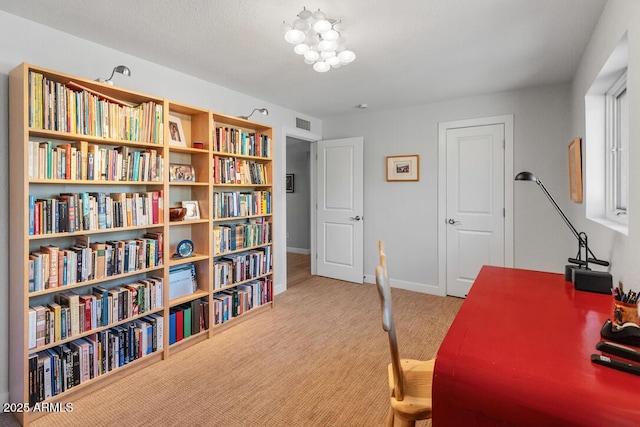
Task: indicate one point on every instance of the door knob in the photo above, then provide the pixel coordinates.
(453, 221)
(355, 218)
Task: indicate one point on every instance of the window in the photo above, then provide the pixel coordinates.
(607, 143)
(617, 154)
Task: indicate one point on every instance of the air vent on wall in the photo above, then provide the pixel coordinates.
(303, 124)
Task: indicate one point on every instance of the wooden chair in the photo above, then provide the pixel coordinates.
(409, 380)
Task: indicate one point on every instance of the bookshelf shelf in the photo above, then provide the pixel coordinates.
(219, 327)
(102, 328)
(188, 150)
(242, 156)
(189, 184)
(94, 281)
(188, 222)
(93, 182)
(189, 260)
(92, 232)
(188, 298)
(236, 218)
(223, 254)
(129, 138)
(66, 136)
(242, 282)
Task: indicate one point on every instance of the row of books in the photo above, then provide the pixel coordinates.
(52, 267)
(72, 212)
(234, 302)
(237, 141)
(74, 108)
(242, 266)
(229, 170)
(58, 369)
(232, 204)
(84, 161)
(188, 319)
(72, 314)
(231, 237)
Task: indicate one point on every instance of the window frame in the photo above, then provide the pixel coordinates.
(617, 151)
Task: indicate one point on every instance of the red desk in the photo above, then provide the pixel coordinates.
(518, 353)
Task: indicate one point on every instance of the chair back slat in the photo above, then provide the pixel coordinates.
(384, 290)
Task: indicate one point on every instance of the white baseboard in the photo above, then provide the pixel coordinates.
(278, 289)
(299, 251)
(409, 286)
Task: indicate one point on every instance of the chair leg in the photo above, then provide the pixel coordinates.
(398, 421)
(390, 417)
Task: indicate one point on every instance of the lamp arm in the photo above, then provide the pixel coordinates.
(564, 217)
(581, 241)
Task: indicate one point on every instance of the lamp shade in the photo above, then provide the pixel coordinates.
(525, 176)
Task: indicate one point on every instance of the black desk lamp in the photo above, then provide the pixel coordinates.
(580, 274)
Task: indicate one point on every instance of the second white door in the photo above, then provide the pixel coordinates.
(475, 203)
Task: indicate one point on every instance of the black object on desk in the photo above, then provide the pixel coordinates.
(632, 368)
(619, 350)
(628, 333)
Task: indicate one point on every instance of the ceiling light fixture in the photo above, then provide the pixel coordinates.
(262, 111)
(318, 39)
(122, 69)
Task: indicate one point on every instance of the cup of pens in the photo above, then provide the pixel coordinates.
(625, 306)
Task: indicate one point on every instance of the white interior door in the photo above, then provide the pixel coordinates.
(475, 217)
(340, 209)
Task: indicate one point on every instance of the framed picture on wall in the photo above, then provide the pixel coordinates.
(403, 168)
(575, 170)
(288, 184)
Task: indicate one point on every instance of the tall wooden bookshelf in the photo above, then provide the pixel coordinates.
(93, 176)
(242, 216)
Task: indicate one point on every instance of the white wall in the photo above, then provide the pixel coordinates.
(622, 251)
(405, 215)
(26, 41)
(299, 202)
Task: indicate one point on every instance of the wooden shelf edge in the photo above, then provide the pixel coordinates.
(187, 298)
(99, 382)
(158, 310)
(240, 218)
(94, 231)
(188, 342)
(220, 327)
(93, 282)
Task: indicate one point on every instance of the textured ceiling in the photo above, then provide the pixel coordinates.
(409, 52)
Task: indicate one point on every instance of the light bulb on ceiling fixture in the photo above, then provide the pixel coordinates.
(301, 49)
(305, 14)
(346, 57)
(294, 36)
(322, 26)
(318, 15)
(319, 40)
(321, 67)
(311, 55)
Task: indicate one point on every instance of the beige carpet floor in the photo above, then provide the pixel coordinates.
(319, 358)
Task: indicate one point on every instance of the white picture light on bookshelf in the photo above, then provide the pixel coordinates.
(122, 69)
(262, 111)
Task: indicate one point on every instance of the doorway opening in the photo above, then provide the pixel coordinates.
(298, 201)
